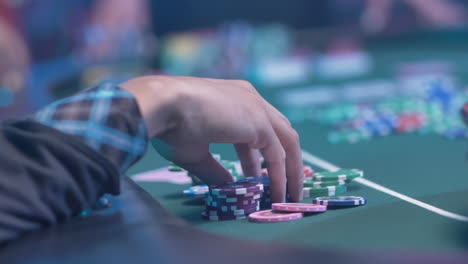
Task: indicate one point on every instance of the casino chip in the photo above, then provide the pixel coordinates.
(206, 216)
(213, 211)
(239, 199)
(232, 201)
(298, 207)
(324, 191)
(174, 168)
(265, 200)
(238, 188)
(340, 201)
(268, 216)
(233, 207)
(309, 182)
(308, 171)
(431, 110)
(196, 191)
(343, 174)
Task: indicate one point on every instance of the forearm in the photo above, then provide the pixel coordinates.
(63, 159)
(47, 177)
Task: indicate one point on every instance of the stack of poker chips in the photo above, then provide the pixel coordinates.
(340, 201)
(330, 183)
(284, 212)
(232, 201)
(432, 111)
(265, 200)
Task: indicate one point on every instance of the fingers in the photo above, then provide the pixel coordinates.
(196, 159)
(250, 160)
(290, 175)
(289, 140)
(274, 155)
(294, 167)
(208, 170)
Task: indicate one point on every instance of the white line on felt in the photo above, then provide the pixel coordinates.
(328, 166)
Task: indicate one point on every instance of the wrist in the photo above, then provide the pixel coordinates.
(156, 98)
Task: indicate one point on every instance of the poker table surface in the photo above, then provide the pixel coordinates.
(416, 186)
(417, 219)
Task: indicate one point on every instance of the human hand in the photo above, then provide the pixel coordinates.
(186, 114)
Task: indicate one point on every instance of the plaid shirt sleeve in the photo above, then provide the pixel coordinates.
(106, 117)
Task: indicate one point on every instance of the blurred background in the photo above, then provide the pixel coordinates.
(302, 55)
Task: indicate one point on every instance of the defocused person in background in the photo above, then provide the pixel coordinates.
(13, 51)
(38, 31)
(377, 14)
(95, 31)
(95, 27)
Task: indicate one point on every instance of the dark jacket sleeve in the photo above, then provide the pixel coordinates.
(47, 177)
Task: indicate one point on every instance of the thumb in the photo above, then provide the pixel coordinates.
(196, 159)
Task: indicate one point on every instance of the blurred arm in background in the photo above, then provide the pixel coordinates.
(116, 27)
(440, 13)
(14, 54)
(377, 14)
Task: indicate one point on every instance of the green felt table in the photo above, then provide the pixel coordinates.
(429, 168)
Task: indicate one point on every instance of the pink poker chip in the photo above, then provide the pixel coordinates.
(268, 216)
(298, 207)
(308, 171)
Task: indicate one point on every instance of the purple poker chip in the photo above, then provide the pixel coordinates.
(236, 188)
(205, 215)
(238, 212)
(233, 201)
(231, 208)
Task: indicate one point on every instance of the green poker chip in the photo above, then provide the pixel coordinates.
(175, 168)
(324, 191)
(309, 182)
(343, 174)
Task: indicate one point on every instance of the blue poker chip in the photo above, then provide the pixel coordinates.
(265, 180)
(340, 200)
(196, 191)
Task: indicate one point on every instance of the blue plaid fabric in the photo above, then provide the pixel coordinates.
(106, 117)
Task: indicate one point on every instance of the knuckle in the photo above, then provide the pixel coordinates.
(246, 84)
(282, 155)
(288, 123)
(295, 136)
(279, 157)
(262, 136)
